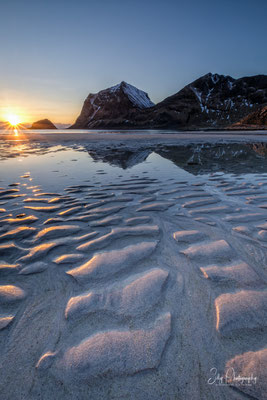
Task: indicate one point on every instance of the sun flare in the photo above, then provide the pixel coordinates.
(13, 119)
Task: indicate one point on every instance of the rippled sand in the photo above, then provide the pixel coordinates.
(130, 278)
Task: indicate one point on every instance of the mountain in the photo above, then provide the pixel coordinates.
(112, 107)
(60, 125)
(212, 101)
(255, 120)
(43, 124)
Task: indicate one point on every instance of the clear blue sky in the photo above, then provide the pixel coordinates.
(53, 53)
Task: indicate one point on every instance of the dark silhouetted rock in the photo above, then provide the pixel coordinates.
(43, 124)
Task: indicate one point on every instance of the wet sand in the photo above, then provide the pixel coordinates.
(131, 283)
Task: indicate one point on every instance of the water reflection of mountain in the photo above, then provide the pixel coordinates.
(119, 157)
(260, 148)
(230, 157)
(195, 158)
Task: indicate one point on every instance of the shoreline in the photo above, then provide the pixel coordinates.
(139, 138)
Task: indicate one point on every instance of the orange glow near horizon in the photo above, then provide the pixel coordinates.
(14, 127)
(27, 113)
(14, 116)
(13, 120)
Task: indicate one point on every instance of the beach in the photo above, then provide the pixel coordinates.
(133, 264)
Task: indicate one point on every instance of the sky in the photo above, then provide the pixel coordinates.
(54, 53)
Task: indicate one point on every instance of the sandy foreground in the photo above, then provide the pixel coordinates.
(147, 282)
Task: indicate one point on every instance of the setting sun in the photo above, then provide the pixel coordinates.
(13, 119)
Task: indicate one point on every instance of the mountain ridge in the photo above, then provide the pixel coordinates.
(211, 101)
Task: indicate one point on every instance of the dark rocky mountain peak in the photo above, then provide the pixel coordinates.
(112, 107)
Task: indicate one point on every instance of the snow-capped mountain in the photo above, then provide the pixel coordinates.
(212, 101)
(137, 97)
(112, 107)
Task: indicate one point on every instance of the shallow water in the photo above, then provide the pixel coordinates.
(55, 166)
(60, 166)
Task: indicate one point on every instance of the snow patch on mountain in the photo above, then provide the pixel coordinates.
(199, 96)
(136, 96)
(215, 78)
